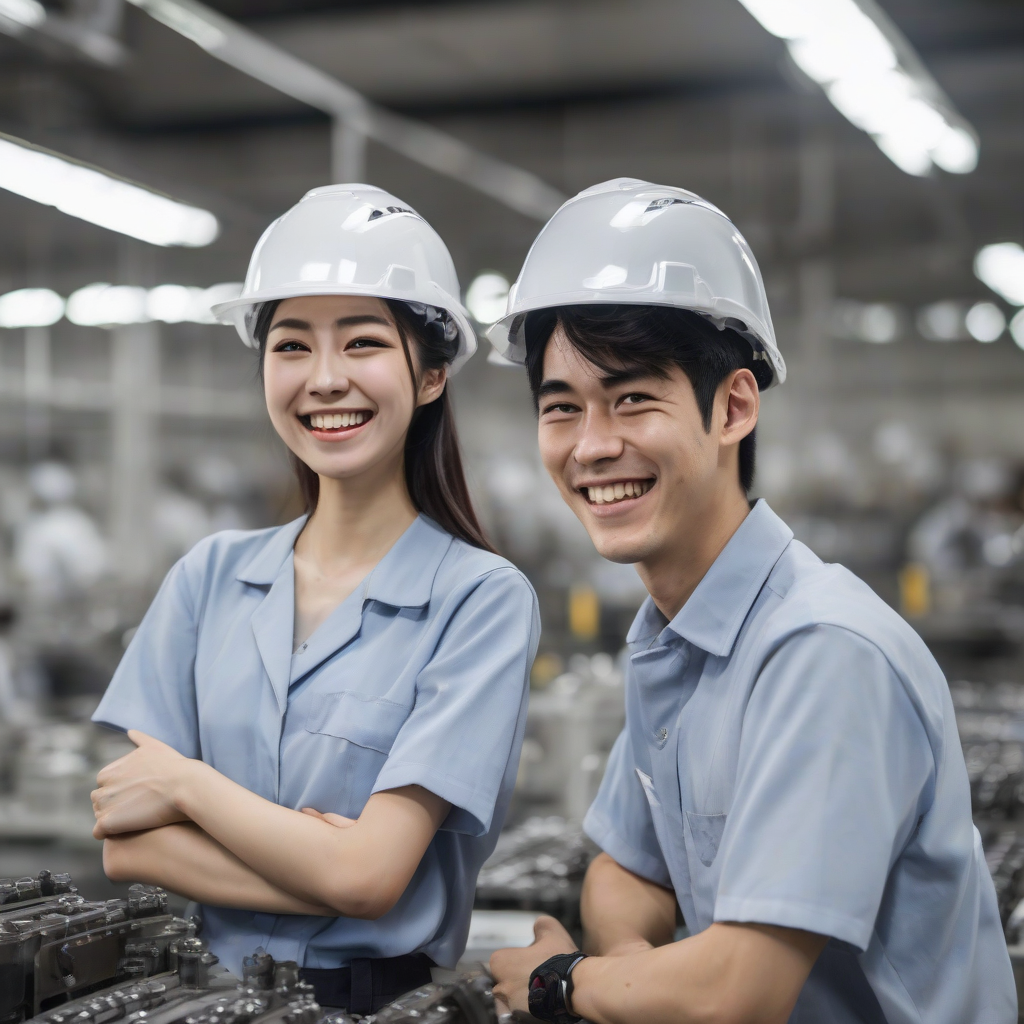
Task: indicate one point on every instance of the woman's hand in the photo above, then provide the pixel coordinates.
(137, 791)
(338, 820)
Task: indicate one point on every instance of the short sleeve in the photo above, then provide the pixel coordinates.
(153, 689)
(465, 731)
(833, 769)
(619, 819)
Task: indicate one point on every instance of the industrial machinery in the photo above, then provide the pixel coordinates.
(66, 959)
(55, 945)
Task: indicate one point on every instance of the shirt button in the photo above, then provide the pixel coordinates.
(662, 735)
(304, 646)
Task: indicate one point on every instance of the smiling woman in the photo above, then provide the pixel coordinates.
(329, 714)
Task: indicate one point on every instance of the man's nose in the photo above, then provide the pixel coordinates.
(598, 441)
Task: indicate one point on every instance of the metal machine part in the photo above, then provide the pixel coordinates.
(59, 946)
(466, 1000)
(538, 866)
(44, 885)
(68, 960)
(270, 992)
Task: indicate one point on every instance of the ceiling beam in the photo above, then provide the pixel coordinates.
(255, 56)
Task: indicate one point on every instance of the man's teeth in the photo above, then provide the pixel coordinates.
(617, 492)
(332, 421)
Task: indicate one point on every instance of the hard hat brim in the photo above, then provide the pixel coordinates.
(508, 337)
(234, 312)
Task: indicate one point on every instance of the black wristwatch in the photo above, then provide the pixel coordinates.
(550, 995)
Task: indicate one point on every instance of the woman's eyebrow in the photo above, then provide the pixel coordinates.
(346, 321)
(363, 318)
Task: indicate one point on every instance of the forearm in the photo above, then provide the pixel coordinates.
(185, 860)
(622, 912)
(360, 871)
(728, 974)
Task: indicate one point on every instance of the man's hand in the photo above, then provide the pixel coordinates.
(511, 968)
(136, 792)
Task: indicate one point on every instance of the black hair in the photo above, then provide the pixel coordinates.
(433, 461)
(651, 339)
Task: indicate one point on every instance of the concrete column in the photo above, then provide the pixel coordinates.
(348, 152)
(38, 383)
(135, 379)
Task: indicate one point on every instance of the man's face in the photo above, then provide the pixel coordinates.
(630, 454)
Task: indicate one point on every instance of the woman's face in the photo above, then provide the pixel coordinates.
(338, 386)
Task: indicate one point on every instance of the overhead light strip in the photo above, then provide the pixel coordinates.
(101, 198)
(873, 77)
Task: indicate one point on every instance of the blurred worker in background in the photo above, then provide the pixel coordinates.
(59, 550)
(790, 771)
(366, 664)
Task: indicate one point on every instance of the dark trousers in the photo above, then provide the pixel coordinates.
(367, 984)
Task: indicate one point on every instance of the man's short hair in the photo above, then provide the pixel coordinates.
(650, 339)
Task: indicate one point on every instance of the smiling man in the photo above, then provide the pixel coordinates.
(790, 773)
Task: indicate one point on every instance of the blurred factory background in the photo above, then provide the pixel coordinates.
(872, 153)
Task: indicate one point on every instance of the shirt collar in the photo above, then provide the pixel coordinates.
(262, 569)
(714, 613)
(403, 578)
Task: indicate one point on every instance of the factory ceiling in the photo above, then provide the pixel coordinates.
(692, 91)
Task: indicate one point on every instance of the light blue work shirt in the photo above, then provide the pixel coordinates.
(790, 757)
(420, 677)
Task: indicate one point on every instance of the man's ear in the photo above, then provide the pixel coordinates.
(742, 406)
(431, 386)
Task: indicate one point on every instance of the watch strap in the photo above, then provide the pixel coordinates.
(550, 992)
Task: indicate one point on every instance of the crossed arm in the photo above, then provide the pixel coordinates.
(173, 821)
(728, 974)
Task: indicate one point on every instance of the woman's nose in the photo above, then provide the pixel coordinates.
(328, 377)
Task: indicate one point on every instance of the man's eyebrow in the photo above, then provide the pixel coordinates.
(552, 387)
(628, 376)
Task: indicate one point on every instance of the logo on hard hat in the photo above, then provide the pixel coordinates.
(660, 204)
(378, 213)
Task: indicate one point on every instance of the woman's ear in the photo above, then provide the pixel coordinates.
(431, 386)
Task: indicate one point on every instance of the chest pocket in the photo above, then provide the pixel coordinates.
(703, 838)
(362, 719)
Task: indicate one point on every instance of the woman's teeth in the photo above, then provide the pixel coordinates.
(333, 421)
(618, 492)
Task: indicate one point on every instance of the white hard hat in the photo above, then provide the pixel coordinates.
(630, 241)
(351, 240)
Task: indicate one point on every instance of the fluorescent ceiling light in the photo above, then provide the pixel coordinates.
(29, 13)
(487, 297)
(942, 321)
(1001, 267)
(1017, 328)
(985, 322)
(105, 305)
(873, 78)
(30, 307)
(876, 322)
(175, 303)
(101, 198)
